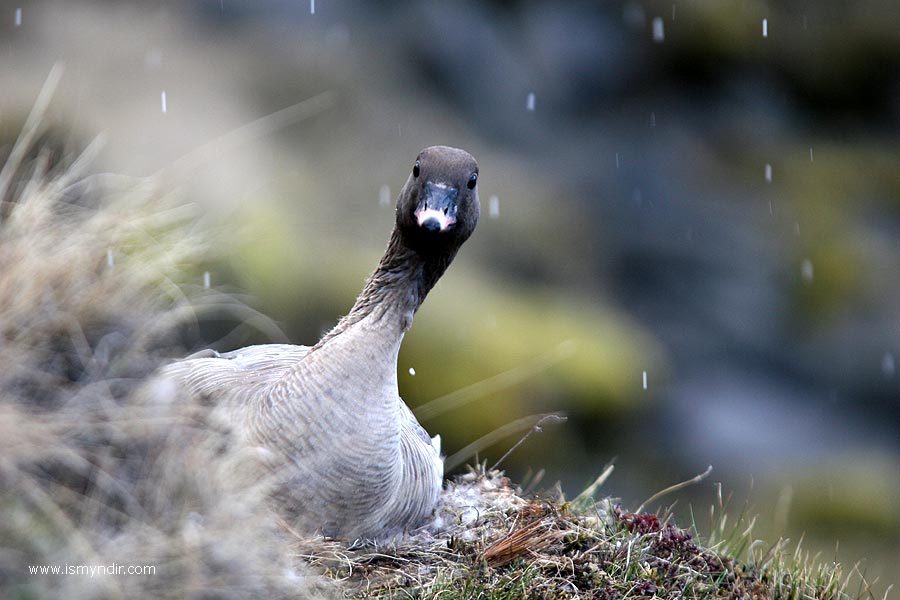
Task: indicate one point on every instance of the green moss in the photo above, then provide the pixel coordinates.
(850, 498)
(495, 327)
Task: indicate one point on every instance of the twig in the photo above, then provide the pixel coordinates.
(496, 383)
(675, 488)
(253, 130)
(588, 493)
(536, 428)
(456, 459)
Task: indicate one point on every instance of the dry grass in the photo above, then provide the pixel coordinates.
(98, 466)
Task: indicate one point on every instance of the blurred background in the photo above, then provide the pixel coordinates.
(690, 233)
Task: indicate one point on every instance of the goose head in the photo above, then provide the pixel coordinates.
(438, 206)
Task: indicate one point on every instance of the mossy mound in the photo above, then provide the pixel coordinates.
(491, 541)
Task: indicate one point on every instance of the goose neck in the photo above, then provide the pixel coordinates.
(396, 289)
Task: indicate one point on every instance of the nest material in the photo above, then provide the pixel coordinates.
(488, 540)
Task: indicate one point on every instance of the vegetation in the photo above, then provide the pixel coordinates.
(99, 466)
(494, 543)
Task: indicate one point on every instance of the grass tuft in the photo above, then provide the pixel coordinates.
(99, 466)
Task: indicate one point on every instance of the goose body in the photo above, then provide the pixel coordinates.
(350, 459)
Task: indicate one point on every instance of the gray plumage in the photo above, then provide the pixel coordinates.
(350, 458)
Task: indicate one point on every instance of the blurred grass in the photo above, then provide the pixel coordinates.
(100, 464)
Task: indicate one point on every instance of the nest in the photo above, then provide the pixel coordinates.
(488, 538)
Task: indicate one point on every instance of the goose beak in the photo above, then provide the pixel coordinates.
(437, 208)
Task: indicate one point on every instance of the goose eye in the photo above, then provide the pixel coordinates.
(416, 169)
(472, 180)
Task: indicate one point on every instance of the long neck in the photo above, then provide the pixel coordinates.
(394, 292)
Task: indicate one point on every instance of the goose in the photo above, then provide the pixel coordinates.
(350, 459)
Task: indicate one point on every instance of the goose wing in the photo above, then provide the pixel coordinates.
(410, 427)
(212, 373)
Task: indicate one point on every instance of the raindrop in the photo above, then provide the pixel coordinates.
(888, 366)
(653, 119)
(673, 12)
(645, 379)
(384, 195)
(529, 102)
(617, 160)
(18, 18)
(637, 197)
(765, 26)
(205, 280)
(312, 7)
(110, 260)
(659, 33)
(771, 211)
(163, 102)
(810, 154)
(806, 271)
(797, 228)
(494, 206)
(412, 371)
(768, 173)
